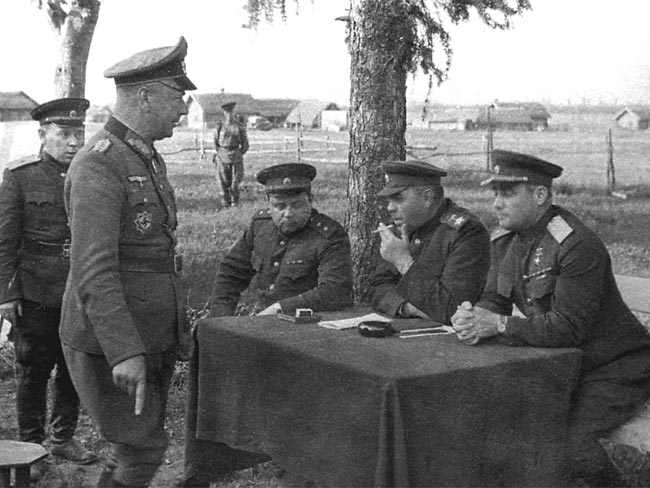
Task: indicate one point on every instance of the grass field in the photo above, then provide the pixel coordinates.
(206, 230)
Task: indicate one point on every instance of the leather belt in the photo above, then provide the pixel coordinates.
(173, 264)
(61, 249)
(231, 148)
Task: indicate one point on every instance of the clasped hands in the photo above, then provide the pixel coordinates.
(472, 324)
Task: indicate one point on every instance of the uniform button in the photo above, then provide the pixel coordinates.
(417, 242)
(529, 301)
(318, 224)
(325, 228)
(282, 243)
(271, 287)
(276, 264)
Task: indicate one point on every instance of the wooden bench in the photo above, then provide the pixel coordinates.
(18, 456)
(629, 445)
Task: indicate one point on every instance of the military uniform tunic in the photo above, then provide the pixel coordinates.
(451, 254)
(34, 231)
(122, 298)
(556, 281)
(310, 268)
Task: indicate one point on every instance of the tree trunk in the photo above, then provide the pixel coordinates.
(377, 124)
(76, 34)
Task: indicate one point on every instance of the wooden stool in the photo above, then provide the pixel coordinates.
(18, 456)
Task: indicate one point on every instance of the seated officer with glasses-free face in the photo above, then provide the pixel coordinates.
(437, 255)
(291, 256)
(551, 285)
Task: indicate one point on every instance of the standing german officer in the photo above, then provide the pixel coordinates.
(231, 143)
(34, 264)
(551, 285)
(123, 321)
(440, 255)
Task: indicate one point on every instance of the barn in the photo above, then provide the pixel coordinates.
(440, 117)
(204, 109)
(525, 116)
(309, 115)
(636, 118)
(15, 106)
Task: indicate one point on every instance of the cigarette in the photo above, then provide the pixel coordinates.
(390, 226)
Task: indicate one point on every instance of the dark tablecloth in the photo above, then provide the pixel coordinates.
(347, 410)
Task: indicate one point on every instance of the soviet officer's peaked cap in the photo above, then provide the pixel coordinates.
(287, 178)
(162, 63)
(401, 175)
(229, 106)
(62, 111)
(512, 167)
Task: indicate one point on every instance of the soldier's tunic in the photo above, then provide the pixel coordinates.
(559, 276)
(122, 297)
(231, 143)
(310, 268)
(34, 264)
(452, 257)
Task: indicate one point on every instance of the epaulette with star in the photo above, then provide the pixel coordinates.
(455, 220)
(102, 145)
(498, 233)
(324, 224)
(559, 229)
(262, 214)
(19, 163)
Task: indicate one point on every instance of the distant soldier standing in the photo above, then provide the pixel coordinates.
(34, 264)
(231, 143)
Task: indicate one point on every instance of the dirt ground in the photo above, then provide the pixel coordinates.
(63, 474)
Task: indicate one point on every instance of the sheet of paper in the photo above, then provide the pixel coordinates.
(352, 321)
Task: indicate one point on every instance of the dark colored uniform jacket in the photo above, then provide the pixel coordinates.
(122, 298)
(452, 257)
(559, 276)
(310, 268)
(34, 233)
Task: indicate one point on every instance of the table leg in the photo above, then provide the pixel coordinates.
(22, 477)
(5, 478)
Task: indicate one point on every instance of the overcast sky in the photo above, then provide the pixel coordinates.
(562, 50)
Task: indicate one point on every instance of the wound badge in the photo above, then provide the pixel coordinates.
(143, 222)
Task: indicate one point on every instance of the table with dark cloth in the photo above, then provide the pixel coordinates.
(347, 410)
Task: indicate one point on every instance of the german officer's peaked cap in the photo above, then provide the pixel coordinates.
(161, 63)
(229, 106)
(401, 175)
(287, 178)
(512, 167)
(62, 111)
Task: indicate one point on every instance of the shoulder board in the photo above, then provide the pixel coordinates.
(324, 224)
(559, 228)
(262, 214)
(498, 233)
(18, 163)
(102, 145)
(455, 220)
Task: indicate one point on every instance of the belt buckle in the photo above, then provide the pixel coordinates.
(178, 263)
(65, 250)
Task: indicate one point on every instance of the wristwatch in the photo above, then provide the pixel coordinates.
(502, 324)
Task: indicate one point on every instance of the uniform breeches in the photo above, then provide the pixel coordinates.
(138, 442)
(38, 351)
(599, 406)
(230, 177)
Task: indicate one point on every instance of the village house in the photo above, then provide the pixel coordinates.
(636, 118)
(440, 117)
(16, 106)
(315, 114)
(525, 116)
